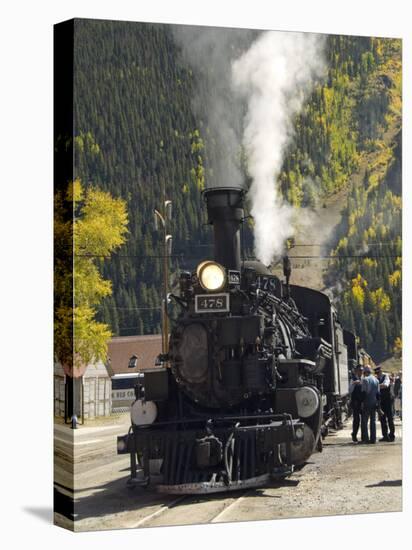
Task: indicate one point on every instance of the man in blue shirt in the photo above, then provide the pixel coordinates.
(370, 390)
(356, 396)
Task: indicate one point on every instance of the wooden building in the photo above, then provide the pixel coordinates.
(90, 389)
(100, 390)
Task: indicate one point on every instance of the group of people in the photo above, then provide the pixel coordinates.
(371, 394)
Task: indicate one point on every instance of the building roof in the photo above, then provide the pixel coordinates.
(121, 348)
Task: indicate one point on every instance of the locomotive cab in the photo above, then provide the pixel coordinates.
(323, 323)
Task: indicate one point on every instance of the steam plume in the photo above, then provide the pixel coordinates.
(274, 76)
(210, 52)
(272, 72)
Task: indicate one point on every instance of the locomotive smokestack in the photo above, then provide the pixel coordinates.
(225, 213)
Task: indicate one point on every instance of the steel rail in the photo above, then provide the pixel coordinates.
(218, 517)
(164, 508)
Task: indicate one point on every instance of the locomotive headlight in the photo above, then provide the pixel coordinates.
(299, 433)
(211, 275)
(121, 445)
(143, 413)
(307, 401)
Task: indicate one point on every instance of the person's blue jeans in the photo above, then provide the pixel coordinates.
(369, 423)
(356, 415)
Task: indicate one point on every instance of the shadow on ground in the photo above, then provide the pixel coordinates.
(387, 483)
(116, 497)
(343, 444)
(42, 512)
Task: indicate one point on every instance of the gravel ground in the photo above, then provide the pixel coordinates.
(345, 478)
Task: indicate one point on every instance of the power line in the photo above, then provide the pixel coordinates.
(187, 243)
(363, 257)
(183, 255)
(198, 245)
(114, 255)
(134, 328)
(249, 258)
(135, 308)
(319, 244)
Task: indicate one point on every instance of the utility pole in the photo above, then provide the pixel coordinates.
(165, 217)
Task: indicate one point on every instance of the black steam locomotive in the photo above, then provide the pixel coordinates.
(255, 372)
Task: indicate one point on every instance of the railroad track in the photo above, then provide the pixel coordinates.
(189, 509)
(205, 507)
(327, 485)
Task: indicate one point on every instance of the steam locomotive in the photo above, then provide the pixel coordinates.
(256, 371)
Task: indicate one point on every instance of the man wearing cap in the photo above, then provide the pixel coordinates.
(386, 406)
(356, 396)
(370, 390)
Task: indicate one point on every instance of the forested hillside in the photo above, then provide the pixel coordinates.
(137, 136)
(349, 136)
(134, 137)
(366, 275)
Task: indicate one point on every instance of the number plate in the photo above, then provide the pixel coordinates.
(234, 277)
(269, 283)
(206, 303)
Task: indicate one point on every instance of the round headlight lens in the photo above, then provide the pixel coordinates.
(121, 445)
(299, 433)
(143, 413)
(211, 276)
(307, 400)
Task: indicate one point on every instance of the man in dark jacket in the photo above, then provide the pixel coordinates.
(386, 418)
(370, 389)
(355, 390)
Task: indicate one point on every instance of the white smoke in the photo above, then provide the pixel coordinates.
(274, 76)
(211, 51)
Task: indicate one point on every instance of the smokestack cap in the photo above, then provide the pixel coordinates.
(224, 203)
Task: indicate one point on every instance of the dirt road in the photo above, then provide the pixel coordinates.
(344, 479)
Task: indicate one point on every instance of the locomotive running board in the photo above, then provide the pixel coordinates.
(207, 487)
